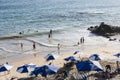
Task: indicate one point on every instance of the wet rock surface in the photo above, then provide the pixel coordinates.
(105, 30)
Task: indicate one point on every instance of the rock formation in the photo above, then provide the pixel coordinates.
(105, 30)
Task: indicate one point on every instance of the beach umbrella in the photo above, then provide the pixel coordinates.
(44, 70)
(5, 67)
(76, 52)
(71, 58)
(88, 65)
(26, 68)
(51, 56)
(95, 57)
(117, 55)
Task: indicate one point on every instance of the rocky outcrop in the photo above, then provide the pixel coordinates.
(105, 30)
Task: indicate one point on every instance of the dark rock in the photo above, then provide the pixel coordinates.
(105, 30)
(112, 39)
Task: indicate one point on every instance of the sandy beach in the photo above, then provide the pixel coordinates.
(39, 60)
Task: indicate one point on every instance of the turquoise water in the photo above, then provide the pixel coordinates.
(29, 16)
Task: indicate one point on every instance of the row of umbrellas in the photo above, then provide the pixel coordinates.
(95, 57)
(42, 70)
(88, 65)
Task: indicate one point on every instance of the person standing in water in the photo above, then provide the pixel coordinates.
(83, 39)
(34, 46)
(50, 34)
(21, 44)
(80, 40)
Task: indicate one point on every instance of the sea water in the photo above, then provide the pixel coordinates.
(69, 20)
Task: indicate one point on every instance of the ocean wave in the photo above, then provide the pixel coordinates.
(90, 12)
(27, 34)
(41, 43)
(7, 7)
(6, 50)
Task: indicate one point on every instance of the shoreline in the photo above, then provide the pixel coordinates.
(92, 45)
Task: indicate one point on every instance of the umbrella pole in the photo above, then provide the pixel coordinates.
(27, 74)
(117, 63)
(52, 62)
(80, 57)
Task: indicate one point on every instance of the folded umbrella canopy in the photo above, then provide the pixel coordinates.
(117, 55)
(26, 68)
(71, 58)
(76, 52)
(88, 65)
(44, 70)
(5, 67)
(95, 57)
(51, 56)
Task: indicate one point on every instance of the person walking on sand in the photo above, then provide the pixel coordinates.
(58, 48)
(8, 71)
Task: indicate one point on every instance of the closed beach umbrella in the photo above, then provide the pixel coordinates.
(51, 56)
(5, 67)
(88, 65)
(26, 68)
(95, 57)
(76, 52)
(22, 69)
(117, 55)
(71, 58)
(44, 70)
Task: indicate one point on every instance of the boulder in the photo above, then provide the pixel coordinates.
(105, 30)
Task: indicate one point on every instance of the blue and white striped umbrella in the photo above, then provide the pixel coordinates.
(95, 57)
(117, 55)
(51, 56)
(89, 65)
(76, 52)
(44, 70)
(26, 68)
(71, 58)
(5, 67)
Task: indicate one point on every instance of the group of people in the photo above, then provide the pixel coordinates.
(50, 36)
(58, 47)
(82, 40)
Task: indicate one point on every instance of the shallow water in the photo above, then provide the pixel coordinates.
(69, 20)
